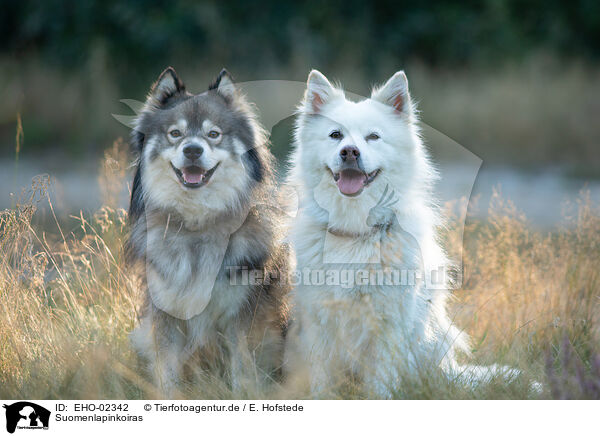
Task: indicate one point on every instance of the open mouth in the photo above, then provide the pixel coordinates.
(352, 181)
(194, 176)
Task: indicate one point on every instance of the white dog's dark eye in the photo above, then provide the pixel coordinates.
(213, 134)
(175, 133)
(372, 137)
(336, 134)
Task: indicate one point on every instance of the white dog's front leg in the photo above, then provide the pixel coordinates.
(381, 371)
(320, 383)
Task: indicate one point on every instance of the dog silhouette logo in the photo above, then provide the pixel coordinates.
(26, 415)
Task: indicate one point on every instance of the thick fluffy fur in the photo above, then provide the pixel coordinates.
(192, 236)
(378, 332)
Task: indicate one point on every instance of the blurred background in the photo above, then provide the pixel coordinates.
(515, 82)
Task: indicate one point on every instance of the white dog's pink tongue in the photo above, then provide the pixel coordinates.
(351, 181)
(192, 175)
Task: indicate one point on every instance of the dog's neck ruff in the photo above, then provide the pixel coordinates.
(376, 229)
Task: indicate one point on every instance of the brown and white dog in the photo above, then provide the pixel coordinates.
(202, 215)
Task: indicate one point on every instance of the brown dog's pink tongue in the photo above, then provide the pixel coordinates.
(192, 176)
(350, 181)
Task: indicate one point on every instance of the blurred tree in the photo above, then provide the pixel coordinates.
(439, 31)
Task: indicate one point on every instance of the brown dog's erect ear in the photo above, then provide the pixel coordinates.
(224, 85)
(318, 91)
(394, 93)
(167, 86)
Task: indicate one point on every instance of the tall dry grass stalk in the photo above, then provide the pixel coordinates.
(67, 305)
(525, 291)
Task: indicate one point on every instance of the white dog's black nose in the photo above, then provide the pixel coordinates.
(192, 152)
(349, 152)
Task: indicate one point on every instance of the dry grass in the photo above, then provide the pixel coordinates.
(537, 112)
(529, 300)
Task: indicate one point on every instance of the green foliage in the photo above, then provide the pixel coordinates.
(142, 33)
(64, 65)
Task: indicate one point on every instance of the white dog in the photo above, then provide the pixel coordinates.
(371, 301)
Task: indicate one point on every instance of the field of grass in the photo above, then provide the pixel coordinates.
(540, 111)
(529, 299)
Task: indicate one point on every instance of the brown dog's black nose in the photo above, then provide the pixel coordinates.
(349, 152)
(192, 152)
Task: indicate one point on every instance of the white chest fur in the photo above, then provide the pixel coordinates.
(351, 318)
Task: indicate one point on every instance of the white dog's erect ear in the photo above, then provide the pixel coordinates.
(167, 85)
(318, 91)
(394, 93)
(224, 85)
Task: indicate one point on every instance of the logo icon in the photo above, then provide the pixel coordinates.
(26, 415)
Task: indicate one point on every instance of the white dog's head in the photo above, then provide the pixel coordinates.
(348, 152)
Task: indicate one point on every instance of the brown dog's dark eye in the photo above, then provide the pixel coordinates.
(175, 133)
(336, 134)
(213, 134)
